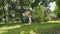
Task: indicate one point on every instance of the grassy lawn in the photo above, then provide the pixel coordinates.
(25, 28)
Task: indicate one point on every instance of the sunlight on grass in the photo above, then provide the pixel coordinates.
(30, 29)
(4, 29)
(53, 21)
(26, 24)
(22, 32)
(32, 32)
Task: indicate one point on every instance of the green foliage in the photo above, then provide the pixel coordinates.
(35, 3)
(18, 6)
(58, 8)
(38, 14)
(58, 15)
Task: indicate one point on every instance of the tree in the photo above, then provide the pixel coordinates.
(18, 6)
(58, 8)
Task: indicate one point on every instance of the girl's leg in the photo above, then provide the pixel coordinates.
(30, 20)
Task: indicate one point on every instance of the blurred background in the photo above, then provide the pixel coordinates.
(45, 16)
(41, 10)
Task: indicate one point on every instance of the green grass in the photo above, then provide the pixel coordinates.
(34, 28)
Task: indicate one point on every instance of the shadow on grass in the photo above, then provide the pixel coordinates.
(10, 24)
(46, 28)
(23, 29)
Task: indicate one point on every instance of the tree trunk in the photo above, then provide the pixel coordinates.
(21, 10)
(4, 11)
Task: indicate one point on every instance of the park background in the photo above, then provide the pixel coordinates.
(45, 16)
